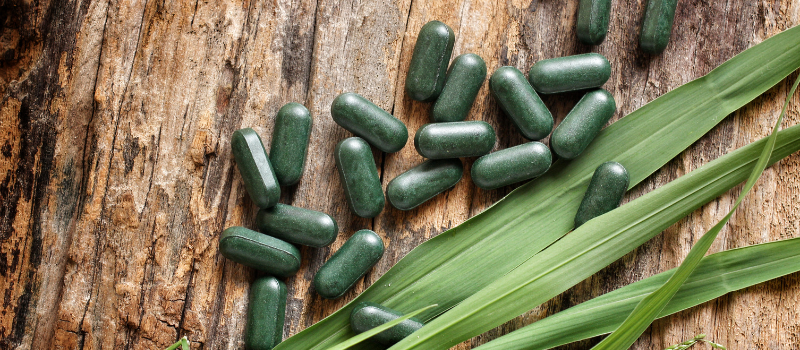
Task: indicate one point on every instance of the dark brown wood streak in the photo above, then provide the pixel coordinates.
(116, 176)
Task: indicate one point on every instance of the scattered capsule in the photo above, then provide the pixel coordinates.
(464, 80)
(511, 165)
(297, 225)
(287, 152)
(348, 264)
(657, 25)
(428, 67)
(265, 314)
(254, 166)
(359, 176)
(583, 123)
(593, 17)
(368, 121)
(570, 73)
(456, 139)
(521, 103)
(259, 251)
(367, 315)
(608, 185)
(423, 182)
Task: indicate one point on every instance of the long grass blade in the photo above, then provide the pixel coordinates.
(443, 270)
(593, 246)
(717, 275)
(648, 310)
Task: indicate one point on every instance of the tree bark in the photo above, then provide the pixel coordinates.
(116, 175)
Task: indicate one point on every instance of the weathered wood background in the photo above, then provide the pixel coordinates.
(116, 177)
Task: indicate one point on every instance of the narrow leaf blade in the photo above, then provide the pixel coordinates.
(648, 310)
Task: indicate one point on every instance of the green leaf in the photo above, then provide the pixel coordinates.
(443, 270)
(717, 275)
(368, 334)
(592, 246)
(646, 312)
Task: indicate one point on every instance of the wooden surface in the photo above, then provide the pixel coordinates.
(116, 175)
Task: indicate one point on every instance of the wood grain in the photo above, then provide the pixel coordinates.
(116, 176)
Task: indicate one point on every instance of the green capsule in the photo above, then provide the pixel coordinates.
(348, 264)
(608, 185)
(359, 176)
(253, 163)
(571, 73)
(423, 182)
(428, 67)
(464, 80)
(657, 25)
(287, 152)
(259, 251)
(298, 225)
(367, 315)
(592, 25)
(265, 314)
(583, 123)
(368, 121)
(455, 139)
(511, 165)
(521, 103)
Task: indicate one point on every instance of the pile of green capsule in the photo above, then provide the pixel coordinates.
(443, 141)
(272, 251)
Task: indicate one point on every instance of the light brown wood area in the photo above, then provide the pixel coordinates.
(116, 176)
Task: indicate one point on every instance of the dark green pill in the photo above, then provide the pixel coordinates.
(578, 72)
(583, 123)
(265, 314)
(456, 139)
(511, 165)
(254, 166)
(368, 121)
(428, 67)
(348, 264)
(297, 225)
(657, 25)
(423, 182)
(259, 251)
(359, 176)
(592, 25)
(521, 103)
(608, 185)
(464, 80)
(287, 152)
(367, 315)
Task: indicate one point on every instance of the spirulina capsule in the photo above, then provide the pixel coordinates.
(608, 185)
(254, 167)
(423, 182)
(521, 103)
(511, 165)
(464, 80)
(368, 121)
(592, 24)
(367, 315)
(570, 73)
(259, 251)
(583, 123)
(265, 314)
(428, 67)
(359, 176)
(456, 139)
(287, 152)
(348, 264)
(298, 225)
(657, 25)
